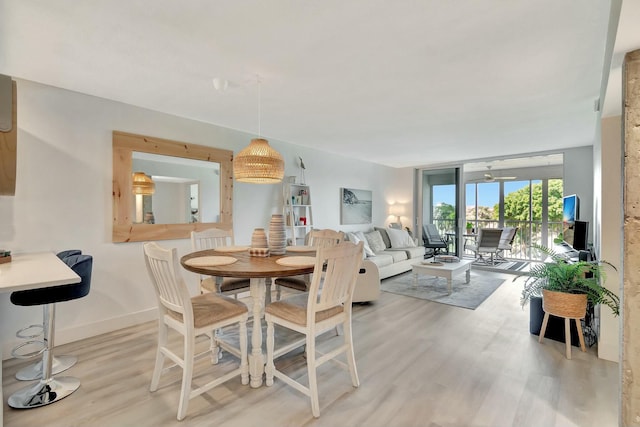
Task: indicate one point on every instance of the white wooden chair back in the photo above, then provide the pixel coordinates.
(164, 271)
(334, 278)
(325, 238)
(211, 238)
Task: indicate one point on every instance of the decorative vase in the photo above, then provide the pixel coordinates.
(277, 237)
(259, 239)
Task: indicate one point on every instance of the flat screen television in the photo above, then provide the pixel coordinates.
(570, 214)
(570, 208)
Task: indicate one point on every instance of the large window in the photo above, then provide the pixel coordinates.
(534, 206)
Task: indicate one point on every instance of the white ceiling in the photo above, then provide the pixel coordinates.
(403, 83)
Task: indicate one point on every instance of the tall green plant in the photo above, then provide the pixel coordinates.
(582, 277)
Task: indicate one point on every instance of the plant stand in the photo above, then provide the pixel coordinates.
(567, 306)
(555, 325)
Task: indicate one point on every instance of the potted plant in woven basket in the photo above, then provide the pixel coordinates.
(567, 287)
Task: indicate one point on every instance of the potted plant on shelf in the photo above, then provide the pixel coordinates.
(567, 287)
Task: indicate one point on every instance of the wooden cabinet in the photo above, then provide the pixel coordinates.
(8, 137)
(297, 212)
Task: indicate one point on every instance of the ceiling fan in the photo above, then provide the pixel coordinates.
(488, 177)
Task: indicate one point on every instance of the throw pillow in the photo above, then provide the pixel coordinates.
(400, 239)
(357, 237)
(385, 236)
(375, 241)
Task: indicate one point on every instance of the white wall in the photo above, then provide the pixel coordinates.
(170, 203)
(609, 156)
(577, 177)
(63, 200)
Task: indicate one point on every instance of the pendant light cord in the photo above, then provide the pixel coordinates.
(259, 106)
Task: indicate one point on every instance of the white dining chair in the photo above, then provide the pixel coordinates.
(213, 238)
(191, 317)
(317, 239)
(324, 307)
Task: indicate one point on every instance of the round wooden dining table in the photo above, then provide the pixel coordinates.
(257, 269)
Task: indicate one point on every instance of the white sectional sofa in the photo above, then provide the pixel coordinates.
(390, 252)
(394, 258)
(368, 284)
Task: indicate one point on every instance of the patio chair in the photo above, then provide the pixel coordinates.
(506, 241)
(488, 241)
(433, 240)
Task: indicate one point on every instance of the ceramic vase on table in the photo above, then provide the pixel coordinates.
(259, 238)
(277, 237)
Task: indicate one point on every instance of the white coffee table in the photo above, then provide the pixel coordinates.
(446, 269)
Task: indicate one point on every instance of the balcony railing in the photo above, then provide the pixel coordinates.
(529, 232)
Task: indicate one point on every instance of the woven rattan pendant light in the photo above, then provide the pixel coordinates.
(258, 163)
(143, 184)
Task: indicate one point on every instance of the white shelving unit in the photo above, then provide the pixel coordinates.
(297, 212)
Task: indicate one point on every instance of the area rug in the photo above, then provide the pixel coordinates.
(512, 267)
(435, 289)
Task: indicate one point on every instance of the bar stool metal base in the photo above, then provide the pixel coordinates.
(34, 371)
(43, 393)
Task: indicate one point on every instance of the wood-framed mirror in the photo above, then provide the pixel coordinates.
(208, 170)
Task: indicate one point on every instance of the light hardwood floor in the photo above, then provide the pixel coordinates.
(420, 364)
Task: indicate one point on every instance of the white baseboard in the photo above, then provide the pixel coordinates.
(64, 336)
(609, 351)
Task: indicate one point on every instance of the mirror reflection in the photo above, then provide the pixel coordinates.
(186, 190)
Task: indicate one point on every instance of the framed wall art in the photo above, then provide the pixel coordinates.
(355, 206)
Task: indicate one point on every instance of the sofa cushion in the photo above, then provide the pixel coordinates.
(381, 260)
(400, 239)
(375, 241)
(395, 254)
(415, 252)
(358, 236)
(384, 235)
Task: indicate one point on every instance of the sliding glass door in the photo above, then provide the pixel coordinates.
(439, 195)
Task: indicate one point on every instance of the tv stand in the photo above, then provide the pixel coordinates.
(566, 251)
